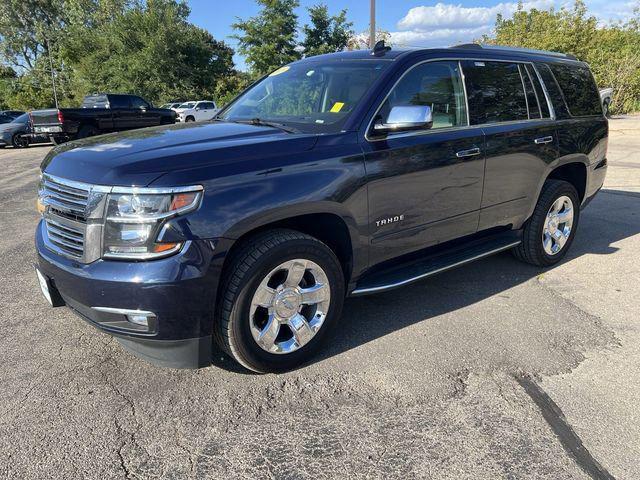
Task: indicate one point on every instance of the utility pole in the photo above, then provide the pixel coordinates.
(53, 77)
(372, 25)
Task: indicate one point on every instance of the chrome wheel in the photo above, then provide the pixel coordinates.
(557, 225)
(289, 306)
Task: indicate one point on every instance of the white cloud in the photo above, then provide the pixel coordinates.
(446, 23)
(449, 15)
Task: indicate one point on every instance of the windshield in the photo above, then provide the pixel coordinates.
(187, 105)
(24, 118)
(310, 97)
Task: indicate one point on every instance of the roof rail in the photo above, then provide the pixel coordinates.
(482, 46)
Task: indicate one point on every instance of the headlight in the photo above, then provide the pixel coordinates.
(136, 216)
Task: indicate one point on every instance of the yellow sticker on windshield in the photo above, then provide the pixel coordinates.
(337, 107)
(279, 71)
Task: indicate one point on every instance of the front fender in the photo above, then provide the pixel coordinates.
(326, 181)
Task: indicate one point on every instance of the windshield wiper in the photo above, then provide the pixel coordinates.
(265, 123)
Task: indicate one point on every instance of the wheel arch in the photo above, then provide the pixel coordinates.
(573, 172)
(325, 222)
(572, 169)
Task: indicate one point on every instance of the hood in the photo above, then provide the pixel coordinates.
(137, 157)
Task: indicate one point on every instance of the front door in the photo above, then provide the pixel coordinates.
(424, 187)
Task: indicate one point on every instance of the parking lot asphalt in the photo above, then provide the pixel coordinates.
(493, 370)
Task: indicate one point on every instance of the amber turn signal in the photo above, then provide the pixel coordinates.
(182, 200)
(40, 206)
(164, 247)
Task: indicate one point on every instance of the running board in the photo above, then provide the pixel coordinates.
(405, 273)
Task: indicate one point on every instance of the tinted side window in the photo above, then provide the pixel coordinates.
(580, 91)
(532, 99)
(119, 101)
(542, 99)
(434, 84)
(95, 101)
(137, 102)
(555, 95)
(495, 92)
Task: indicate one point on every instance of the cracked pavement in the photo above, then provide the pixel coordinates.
(421, 382)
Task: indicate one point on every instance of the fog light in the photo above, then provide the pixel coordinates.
(139, 319)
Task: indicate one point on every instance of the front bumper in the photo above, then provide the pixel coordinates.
(179, 291)
(6, 138)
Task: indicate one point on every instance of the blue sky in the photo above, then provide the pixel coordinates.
(411, 22)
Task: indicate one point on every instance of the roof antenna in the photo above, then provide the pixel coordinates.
(379, 49)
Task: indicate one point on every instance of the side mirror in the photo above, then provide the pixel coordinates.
(406, 118)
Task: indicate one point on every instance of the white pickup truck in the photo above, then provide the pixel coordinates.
(197, 111)
(605, 98)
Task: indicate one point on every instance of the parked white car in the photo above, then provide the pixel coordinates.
(197, 111)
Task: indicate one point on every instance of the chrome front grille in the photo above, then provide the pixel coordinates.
(68, 239)
(72, 217)
(66, 200)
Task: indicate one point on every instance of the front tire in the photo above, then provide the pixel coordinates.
(549, 233)
(189, 119)
(280, 295)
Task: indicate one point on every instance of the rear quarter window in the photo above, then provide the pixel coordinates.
(578, 88)
(95, 101)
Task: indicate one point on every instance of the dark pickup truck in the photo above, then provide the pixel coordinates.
(99, 113)
(344, 174)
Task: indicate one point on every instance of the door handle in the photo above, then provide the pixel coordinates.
(543, 140)
(472, 152)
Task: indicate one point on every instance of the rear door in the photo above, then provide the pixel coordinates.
(424, 187)
(205, 111)
(507, 99)
(145, 115)
(123, 115)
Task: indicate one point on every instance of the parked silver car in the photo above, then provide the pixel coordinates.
(13, 132)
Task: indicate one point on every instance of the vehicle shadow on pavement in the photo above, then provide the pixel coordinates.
(365, 319)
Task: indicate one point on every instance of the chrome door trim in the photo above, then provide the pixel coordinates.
(543, 140)
(472, 152)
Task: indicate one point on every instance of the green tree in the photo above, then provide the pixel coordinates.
(268, 40)
(360, 41)
(611, 50)
(326, 34)
(32, 38)
(228, 86)
(152, 50)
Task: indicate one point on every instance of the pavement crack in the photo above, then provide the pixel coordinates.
(569, 439)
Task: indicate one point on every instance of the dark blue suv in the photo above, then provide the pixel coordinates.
(342, 174)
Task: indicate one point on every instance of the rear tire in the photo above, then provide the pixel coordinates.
(87, 131)
(265, 318)
(545, 225)
(19, 142)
